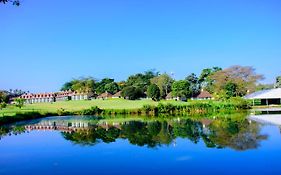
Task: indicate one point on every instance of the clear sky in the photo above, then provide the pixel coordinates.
(45, 43)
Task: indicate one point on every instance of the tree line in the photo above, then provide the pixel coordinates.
(235, 81)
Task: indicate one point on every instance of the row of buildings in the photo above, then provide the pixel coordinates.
(71, 95)
(64, 96)
(55, 96)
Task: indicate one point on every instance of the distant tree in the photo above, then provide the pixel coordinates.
(100, 86)
(19, 102)
(85, 85)
(67, 86)
(14, 2)
(164, 82)
(193, 80)
(278, 82)
(153, 92)
(204, 79)
(141, 80)
(181, 88)
(131, 93)
(111, 87)
(242, 79)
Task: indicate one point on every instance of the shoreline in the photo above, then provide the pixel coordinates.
(192, 108)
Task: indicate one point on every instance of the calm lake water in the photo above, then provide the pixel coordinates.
(85, 145)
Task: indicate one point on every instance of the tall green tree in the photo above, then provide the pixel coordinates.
(111, 87)
(193, 80)
(101, 86)
(141, 80)
(132, 93)
(164, 82)
(153, 92)
(231, 89)
(84, 85)
(181, 89)
(204, 79)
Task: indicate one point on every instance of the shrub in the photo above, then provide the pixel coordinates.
(61, 112)
(92, 111)
(3, 105)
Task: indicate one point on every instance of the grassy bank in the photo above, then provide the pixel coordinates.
(72, 106)
(119, 107)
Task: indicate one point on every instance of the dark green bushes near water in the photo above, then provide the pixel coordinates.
(24, 116)
(193, 107)
(196, 107)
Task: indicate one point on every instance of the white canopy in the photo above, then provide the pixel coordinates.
(265, 94)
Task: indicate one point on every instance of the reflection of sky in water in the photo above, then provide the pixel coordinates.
(48, 152)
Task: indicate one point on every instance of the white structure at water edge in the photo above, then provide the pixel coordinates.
(267, 97)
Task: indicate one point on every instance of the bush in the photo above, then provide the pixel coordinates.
(3, 105)
(92, 111)
(61, 112)
(166, 109)
(148, 108)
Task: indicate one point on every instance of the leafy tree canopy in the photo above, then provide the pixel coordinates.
(205, 80)
(193, 80)
(101, 86)
(80, 85)
(164, 82)
(181, 88)
(153, 92)
(235, 81)
(141, 80)
(132, 93)
(112, 87)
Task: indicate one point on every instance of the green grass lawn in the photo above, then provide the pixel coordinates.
(78, 105)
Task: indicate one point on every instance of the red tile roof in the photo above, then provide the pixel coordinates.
(118, 94)
(204, 94)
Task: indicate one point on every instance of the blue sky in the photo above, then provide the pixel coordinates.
(45, 43)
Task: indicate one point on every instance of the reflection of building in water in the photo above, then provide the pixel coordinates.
(59, 125)
(71, 126)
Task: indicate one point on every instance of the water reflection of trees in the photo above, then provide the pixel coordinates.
(219, 133)
(238, 135)
(6, 131)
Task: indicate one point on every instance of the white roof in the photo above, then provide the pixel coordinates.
(265, 94)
